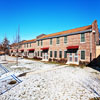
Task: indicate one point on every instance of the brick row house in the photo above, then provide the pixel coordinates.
(75, 45)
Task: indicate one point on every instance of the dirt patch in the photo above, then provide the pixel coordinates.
(12, 82)
(23, 74)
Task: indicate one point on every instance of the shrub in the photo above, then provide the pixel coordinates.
(25, 57)
(50, 59)
(83, 63)
(37, 58)
(62, 60)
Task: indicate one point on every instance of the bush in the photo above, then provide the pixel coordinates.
(37, 58)
(62, 60)
(25, 57)
(50, 59)
(83, 63)
(55, 60)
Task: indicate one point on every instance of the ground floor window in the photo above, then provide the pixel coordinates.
(38, 53)
(60, 54)
(65, 54)
(50, 53)
(83, 55)
(55, 54)
(41, 53)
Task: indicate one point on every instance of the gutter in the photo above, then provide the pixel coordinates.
(66, 34)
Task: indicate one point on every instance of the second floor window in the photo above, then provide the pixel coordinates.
(30, 44)
(57, 40)
(50, 41)
(41, 42)
(83, 37)
(27, 45)
(24, 45)
(65, 39)
(38, 43)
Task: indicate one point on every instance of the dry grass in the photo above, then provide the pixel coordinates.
(95, 98)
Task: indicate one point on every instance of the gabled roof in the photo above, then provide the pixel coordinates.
(67, 31)
(27, 41)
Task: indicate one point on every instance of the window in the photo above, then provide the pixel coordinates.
(41, 42)
(38, 43)
(65, 54)
(50, 53)
(41, 53)
(50, 41)
(83, 37)
(24, 45)
(83, 55)
(27, 45)
(38, 53)
(57, 40)
(60, 54)
(55, 54)
(30, 44)
(65, 39)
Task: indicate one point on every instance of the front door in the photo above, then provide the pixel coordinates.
(73, 57)
(45, 56)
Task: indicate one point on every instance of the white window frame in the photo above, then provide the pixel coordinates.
(64, 40)
(84, 36)
(56, 40)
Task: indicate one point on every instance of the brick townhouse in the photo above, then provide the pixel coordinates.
(75, 45)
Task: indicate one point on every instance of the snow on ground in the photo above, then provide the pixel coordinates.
(64, 83)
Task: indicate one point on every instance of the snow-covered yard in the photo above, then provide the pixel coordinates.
(44, 81)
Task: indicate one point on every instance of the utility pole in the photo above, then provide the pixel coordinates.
(17, 47)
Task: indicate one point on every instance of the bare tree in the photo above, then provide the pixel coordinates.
(17, 47)
(5, 46)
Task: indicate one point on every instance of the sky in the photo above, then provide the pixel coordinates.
(37, 17)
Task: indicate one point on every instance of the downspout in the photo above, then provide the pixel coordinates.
(90, 46)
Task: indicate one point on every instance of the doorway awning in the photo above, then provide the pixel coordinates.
(31, 49)
(22, 50)
(72, 47)
(45, 48)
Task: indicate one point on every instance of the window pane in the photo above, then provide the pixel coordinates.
(38, 43)
(50, 53)
(83, 37)
(50, 41)
(57, 40)
(83, 55)
(65, 39)
(41, 42)
(41, 53)
(65, 54)
(60, 54)
(55, 54)
(38, 53)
